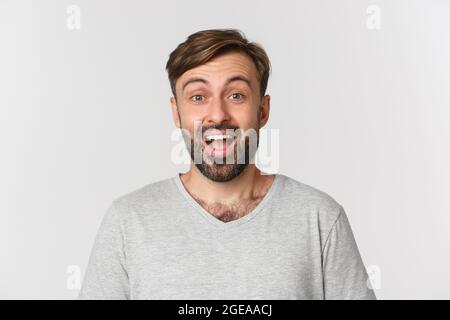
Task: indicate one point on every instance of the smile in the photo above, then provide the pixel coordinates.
(219, 144)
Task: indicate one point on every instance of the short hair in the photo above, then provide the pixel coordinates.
(202, 46)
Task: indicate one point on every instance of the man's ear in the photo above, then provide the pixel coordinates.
(175, 114)
(264, 110)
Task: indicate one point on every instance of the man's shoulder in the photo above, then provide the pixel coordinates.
(312, 199)
(151, 194)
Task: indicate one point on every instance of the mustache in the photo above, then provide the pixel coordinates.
(219, 127)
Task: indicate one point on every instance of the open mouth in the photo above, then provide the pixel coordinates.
(219, 139)
(219, 144)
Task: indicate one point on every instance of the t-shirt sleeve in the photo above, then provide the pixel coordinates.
(344, 274)
(106, 275)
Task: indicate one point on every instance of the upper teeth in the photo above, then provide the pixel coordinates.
(218, 137)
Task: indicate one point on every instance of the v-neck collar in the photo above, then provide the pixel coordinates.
(234, 223)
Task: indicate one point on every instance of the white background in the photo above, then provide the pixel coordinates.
(364, 115)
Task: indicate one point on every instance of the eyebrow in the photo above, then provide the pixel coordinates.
(232, 79)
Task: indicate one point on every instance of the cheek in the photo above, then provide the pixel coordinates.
(189, 119)
(192, 124)
(245, 119)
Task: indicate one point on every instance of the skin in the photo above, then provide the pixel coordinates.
(216, 103)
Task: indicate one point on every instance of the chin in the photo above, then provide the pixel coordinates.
(221, 172)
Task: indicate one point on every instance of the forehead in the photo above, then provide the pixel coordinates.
(221, 68)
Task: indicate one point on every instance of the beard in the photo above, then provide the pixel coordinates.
(223, 168)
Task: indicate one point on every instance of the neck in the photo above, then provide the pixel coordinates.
(250, 184)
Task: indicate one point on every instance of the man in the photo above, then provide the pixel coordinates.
(224, 229)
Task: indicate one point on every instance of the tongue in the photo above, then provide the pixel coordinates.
(220, 144)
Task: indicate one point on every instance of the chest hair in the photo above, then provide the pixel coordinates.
(230, 211)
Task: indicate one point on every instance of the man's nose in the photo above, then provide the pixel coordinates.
(217, 112)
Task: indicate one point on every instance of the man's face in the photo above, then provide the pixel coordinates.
(219, 104)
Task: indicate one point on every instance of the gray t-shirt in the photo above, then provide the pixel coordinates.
(157, 242)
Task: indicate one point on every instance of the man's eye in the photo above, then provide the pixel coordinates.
(238, 95)
(195, 98)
